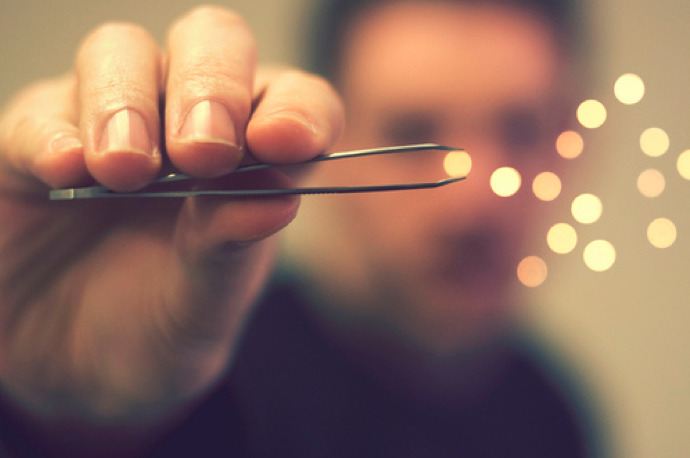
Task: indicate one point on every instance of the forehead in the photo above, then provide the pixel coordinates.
(438, 49)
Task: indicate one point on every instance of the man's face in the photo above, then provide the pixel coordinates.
(437, 265)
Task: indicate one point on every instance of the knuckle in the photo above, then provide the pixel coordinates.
(212, 21)
(12, 137)
(314, 84)
(18, 136)
(322, 83)
(16, 118)
(115, 30)
(304, 79)
(207, 79)
(214, 14)
(38, 100)
(110, 33)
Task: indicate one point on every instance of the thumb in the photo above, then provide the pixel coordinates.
(222, 258)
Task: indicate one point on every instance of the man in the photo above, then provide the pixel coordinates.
(398, 345)
(407, 299)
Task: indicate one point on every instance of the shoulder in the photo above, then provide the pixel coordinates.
(551, 402)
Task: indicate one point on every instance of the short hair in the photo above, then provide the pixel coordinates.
(332, 19)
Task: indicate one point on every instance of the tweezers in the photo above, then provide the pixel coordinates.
(98, 192)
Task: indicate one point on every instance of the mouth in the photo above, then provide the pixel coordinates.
(479, 257)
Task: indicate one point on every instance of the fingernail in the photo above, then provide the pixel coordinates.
(209, 121)
(126, 131)
(64, 142)
(292, 115)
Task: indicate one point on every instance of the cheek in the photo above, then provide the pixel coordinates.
(388, 225)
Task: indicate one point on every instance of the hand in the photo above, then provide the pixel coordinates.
(121, 313)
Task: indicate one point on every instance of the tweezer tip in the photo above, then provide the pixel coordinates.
(448, 148)
(436, 146)
(450, 180)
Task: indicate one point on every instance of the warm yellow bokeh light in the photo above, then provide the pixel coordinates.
(683, 164)
(562, 238)
(457, 164)
(532, 271)
(505, 181)
(570, 144)
(600, 255)
(654, 142)
(629, 89)
(651, 183)
(546, 186)
(661, 233)
(591, 114)
(586, 208)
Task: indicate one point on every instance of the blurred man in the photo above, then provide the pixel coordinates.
(403, 304)
(393, 334)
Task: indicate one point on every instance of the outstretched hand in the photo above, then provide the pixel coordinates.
(123, 312)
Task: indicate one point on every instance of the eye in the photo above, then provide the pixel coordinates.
(410, 128)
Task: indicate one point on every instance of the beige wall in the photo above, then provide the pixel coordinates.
(38, 38)
(626, 329)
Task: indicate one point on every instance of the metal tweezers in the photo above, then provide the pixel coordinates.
(97, 192)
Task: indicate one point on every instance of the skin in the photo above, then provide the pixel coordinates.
(117, 317)
(430, 273)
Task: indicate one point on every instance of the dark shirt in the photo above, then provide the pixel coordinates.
(292, 393)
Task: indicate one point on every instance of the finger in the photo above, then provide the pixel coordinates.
(298, 117)
(39, 135)
(212, 57)
(210, 224)
(118, 70)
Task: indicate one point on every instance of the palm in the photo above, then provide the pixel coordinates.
(124, 311)
(90, 284)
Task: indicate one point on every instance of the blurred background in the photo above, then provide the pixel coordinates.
(624, 329)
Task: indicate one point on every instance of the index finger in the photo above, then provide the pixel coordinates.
(297, 117)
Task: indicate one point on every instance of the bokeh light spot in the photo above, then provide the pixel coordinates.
(661, 233)
(532, 271)
(683, 164)
(629, 89)
(546, 186)
(505, 181)
(570, 144)
(651, 183)
(600, 255)
(591, 114)
(562, 238)
(457, 163)
(586, 208)
(654, 142)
